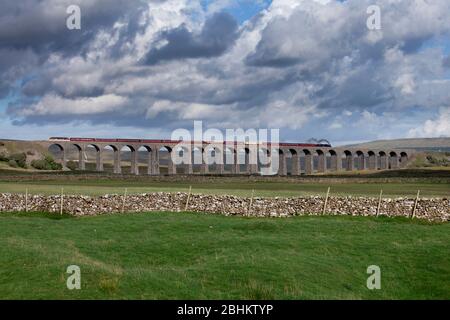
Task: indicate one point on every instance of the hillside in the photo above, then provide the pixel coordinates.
(33, 150)
(424, 144)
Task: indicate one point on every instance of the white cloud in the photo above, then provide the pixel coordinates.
(437, 127)
(406, 84)
(55, 105)
(163, 15)
(336, 125)
(347, 113)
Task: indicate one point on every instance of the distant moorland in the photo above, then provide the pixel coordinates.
(423, 144)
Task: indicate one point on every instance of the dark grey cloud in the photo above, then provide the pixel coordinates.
(14, 64)
(446, 62)
(217, 35)
(361, 90)
(324, 34)
(30, 31)
(41, 25)
(316, 42)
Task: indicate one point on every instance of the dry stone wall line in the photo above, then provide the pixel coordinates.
(429, 209)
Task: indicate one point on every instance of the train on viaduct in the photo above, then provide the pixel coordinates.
(294, 158)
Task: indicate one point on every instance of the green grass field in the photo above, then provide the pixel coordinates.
(194, 256)
(395, 183)
(234, 186)
(261, 189)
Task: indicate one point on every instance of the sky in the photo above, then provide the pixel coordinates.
(143, 68)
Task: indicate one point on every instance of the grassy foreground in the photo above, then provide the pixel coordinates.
(191, 256)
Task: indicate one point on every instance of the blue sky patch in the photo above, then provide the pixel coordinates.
(242, 10)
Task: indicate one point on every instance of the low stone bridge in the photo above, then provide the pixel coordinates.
(294, 159)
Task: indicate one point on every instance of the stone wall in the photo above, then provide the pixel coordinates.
(429, 209)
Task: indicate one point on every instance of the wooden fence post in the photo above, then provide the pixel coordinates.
(415, 205)
(62, 202)
(326, 201)
(251, 201)
(26, 200)
(188, 198)
(379, 203)
(124, 200)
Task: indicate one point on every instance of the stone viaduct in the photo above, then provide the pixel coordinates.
(302, 158)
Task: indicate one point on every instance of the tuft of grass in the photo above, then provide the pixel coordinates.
(30, 214)
(109, 285)
(254, 290)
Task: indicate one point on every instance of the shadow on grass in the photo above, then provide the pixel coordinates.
(265, 223)
(46, 215)
(386, 219)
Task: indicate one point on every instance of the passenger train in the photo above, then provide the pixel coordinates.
(321, 143)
